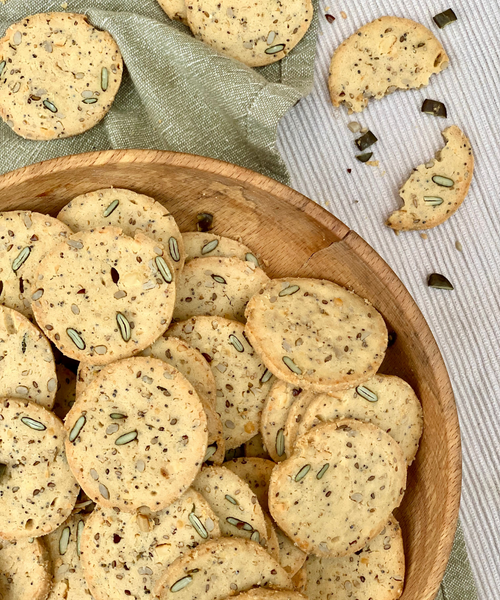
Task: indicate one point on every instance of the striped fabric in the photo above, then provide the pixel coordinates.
(319, 151)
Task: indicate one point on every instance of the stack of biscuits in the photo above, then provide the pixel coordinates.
(175, 424)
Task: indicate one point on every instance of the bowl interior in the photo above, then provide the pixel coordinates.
(294, 236)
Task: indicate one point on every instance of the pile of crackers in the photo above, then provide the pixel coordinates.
(175, 424)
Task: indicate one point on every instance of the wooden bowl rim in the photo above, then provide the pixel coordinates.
(340, 231)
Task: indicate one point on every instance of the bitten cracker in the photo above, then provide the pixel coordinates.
(315, 334)
(387, 54)
(339, 487)
(58, 74)
(435, 190)
(25, 572)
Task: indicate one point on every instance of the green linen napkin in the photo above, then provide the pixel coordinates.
(177, 94)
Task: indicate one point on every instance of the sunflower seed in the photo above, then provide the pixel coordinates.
(76, 338)
(173, 246)
(231, 499)
(198, 525)
(249, 257)
(439, 282)
(211, 450)
(37, 295)
(291, 289)
(120, 294)
(110, 208)
(270, 37)
(104, 79)
(117, 416)
(51, 385)
(266, 376)
(163, 268)
(64, 540)
(87, 94)
(103, 490)
(126, 438)
(22, 390)
(218, 279)
(94, 474)
(79, 531)
(323, 470)
(356, 497)
(443, 181)
(124, 326)
(2, 67)
(236, 343)
(18, 38)
(280, 442)
(302, 473)
(367, 394)
(180, 584)
(291, 365)
(275, 49)
(33, 424)
(433, 200)
(21, 258)
(48, 104)
(113, 428)
(207, 248)
(89, 100)
(77, 427)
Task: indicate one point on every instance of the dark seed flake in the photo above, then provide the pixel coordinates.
(204, 221)
(330, 18)
(439, 282)
(365, 157)
(435, 108)
(445, 18)
(366, 140)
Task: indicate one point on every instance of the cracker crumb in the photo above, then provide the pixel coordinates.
(373, 163)
(343, 14)
(424, 236)
(64, 5)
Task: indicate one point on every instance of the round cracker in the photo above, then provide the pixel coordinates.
(39, 491)
(101, 295)
(270, 594)
(375, 573)
(256, 34)
(131, 212)
(256, 473)
(61, 78)
(25, 238)
(27, 367)
(241, 378)
(217, 286)
(24, 570)
(291, 558)
(338, 489)
(384, 400)
(201, 244)
(315, 334)
(218, 568)
(137, 435)
(125, 554)
(387, 54)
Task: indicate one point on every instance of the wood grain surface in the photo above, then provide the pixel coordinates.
(294, 236)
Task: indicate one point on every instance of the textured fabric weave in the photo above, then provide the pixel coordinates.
(179, 95)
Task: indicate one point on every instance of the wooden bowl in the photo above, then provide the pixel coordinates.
(294, 236)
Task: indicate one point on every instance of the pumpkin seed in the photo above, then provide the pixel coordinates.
(443, 181)
(322, 471)
(365, 157)
(218, 279)
(236, 343)
(255, 537)
(110, 208)
(124, 326)
(117, 416)
(231, 499)
(48, 104)
(103, 490)
(367, 394)
(291, 365)
(21, 258)
(126, 438)
(249, 257)
(64, 540)
(33, 424)
(211, 450)
(77, 427)
(180, 584)
(366, 140)
(89, 100)
(3, 469)
(2, 67)
(291, 289)
(163, 268)
(38, 294)
(280, 442)
(275, 49)
(433, 200)
(439, 282)
(173, 246)
(210, 246)
(435, 108)
(79, 531)
(76, 338)
(204, 221)
(302, 473)
(445, 18)
(266, 376)
(239, 524)
(104, 79)
(198, 525)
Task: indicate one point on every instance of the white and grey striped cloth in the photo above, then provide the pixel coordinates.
(319, 149)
